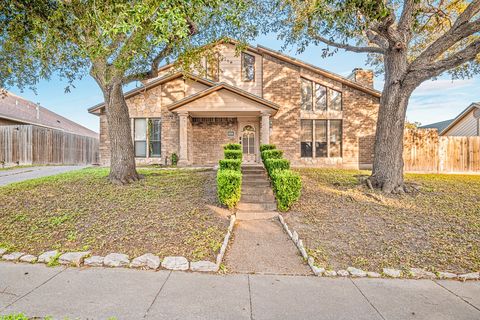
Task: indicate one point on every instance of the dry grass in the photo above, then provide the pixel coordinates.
(170, 212)
(345, 224)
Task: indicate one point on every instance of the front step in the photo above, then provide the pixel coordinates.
(255, 215)
(258, 197)
(248, 190)
(256, 183)
(256, 206)
(254, 178)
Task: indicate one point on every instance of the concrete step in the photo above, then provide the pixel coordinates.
(256, 183)
(254, 178)
(252, 169)
(255, 215)
(256, 190)
(259, 197)
(257, 206)
(253, 173)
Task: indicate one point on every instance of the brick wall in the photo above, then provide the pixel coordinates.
(209, 138)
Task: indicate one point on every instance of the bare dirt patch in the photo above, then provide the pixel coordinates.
(170, 212)
(343, 223)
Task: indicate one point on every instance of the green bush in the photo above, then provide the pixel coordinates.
(233, 154)
(232, 146)
(229, 187)
(264, 147)
(276, 164)
(230, 164)
(271, 154)
(287, 185)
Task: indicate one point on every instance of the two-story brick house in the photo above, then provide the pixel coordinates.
(258, 96)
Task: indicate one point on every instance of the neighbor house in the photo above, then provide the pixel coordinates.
(255, 97)
(466, 124)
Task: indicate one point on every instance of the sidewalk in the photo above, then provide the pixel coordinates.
(27, 173)
(98, 293)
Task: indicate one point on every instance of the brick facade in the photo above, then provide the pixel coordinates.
(280, 84)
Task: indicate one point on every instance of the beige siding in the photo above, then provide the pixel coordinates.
(465, 127)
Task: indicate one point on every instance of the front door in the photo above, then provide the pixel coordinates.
(248, 144)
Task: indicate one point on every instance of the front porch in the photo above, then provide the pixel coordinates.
(221, 115)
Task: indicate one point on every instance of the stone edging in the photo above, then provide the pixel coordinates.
(119, 260)
(415, 273)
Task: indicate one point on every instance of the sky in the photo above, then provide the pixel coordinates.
(433, 101)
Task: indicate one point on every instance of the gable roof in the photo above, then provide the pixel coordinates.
(15, 108)
(220, 86)
(462, 115)
(437, 125)
(96, 108)
(323, 72)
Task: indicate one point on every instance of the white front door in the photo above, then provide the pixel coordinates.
(248, 144)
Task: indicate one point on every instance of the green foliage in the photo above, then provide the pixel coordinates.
(174, 159)
(264, 147)
(271, 154)
(287, 186)
(230, 164)
(233, 154)
(232, 146)
(229, 187)
(276, 164)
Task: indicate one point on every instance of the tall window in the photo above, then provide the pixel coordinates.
(140, 137)
(306, 144)
(213, 67)
(324, 135)
(307, 95)
(248, 67)
(318, 97)
(155, 137)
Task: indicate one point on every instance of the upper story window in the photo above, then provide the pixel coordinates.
(212, 67)
(318, 97)
(248, 67)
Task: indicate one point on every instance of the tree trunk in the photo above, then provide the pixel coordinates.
(122, 158)
(387, 173)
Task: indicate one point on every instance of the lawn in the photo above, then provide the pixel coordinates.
(170, 212)
(343, 223)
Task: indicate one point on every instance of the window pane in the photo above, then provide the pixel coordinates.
(306, 95)
(335, 138)
(213, 68)
(306, 138)
(335, 100)
(248, 67)
(155, 136)
(140, 129)
(140, 148)
(320, 97)
(320, 138)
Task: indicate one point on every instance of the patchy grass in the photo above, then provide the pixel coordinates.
(343, 223)
(170, 212)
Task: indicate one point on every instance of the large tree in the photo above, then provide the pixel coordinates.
(410, 40)
(117, 42)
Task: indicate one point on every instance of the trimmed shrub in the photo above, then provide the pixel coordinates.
(271, 154)
(264, 147)
(287, 185)
(230, 164)
(232, 146)
(276, 164)
(229, 187)
(233, 154)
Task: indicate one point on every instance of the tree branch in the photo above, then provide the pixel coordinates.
(367, 49)
(406, 19)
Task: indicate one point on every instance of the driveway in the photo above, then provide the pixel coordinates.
(27, 173)
(100, 293)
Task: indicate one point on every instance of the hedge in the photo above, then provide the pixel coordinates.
(276, 164)
(264, 147)
(230, 164)
(233, 154)
(229, 187)
(232, 146)
(287, 185)
(271, 154)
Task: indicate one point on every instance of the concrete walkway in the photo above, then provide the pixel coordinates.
(99, 293)
(27, 173)
(262, 246)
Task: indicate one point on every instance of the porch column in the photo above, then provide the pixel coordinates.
(183, 140)
(265, 129)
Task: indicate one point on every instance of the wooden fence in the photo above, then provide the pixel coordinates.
(28, 144)
(425, 151)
